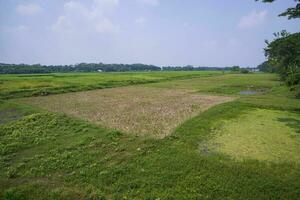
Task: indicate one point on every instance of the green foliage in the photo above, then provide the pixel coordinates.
(284, 53)
(29, 131)
(94, 67)
(81, 67)
(192, 68)
(244, 71)
(293, 74)
(13, 194)
(291, 13)
(267, 67)
(235, 68)
(238, 69)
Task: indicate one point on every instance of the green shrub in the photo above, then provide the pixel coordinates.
(244, 71)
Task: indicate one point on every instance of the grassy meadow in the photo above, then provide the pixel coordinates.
(238, 137)
(13, 86)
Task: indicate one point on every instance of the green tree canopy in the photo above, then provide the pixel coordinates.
(284, 54)
(267, 67)
(235, 68)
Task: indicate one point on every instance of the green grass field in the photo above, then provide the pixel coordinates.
(12, 86)
(247, 148)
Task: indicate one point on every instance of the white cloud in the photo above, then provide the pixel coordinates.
(149, 2)
(252, 19)
(29, 9)
(79, 18)
(140, 21)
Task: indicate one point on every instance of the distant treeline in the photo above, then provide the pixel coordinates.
(82, 67)
(94, 67)
(192, 68)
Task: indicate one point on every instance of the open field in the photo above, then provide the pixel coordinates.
(270, 92)
(226, 84)
(139, 110)
(12, 86)
(247, 148)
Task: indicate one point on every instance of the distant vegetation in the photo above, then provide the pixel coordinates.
(238, 69)
(82, 67)
(192, 68)
(96, 67)
(267, 67)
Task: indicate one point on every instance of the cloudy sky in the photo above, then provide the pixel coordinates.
(160, 32)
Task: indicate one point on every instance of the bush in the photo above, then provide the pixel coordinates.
(293, 75)
(244, 71)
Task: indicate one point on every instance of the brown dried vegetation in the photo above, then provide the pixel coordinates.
(140, 110)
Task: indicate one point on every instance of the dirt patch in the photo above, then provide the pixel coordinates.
(139, 110)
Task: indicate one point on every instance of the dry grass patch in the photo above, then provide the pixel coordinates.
(140, 110)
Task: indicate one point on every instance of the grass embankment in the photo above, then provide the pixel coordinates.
(52, 156)
(14, 86)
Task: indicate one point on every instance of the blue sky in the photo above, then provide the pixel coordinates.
(160, 32)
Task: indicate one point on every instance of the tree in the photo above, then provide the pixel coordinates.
(235, 68)
(291, 13)
(244, 71)
(266, 67)
(81, 67)
(284, 54)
